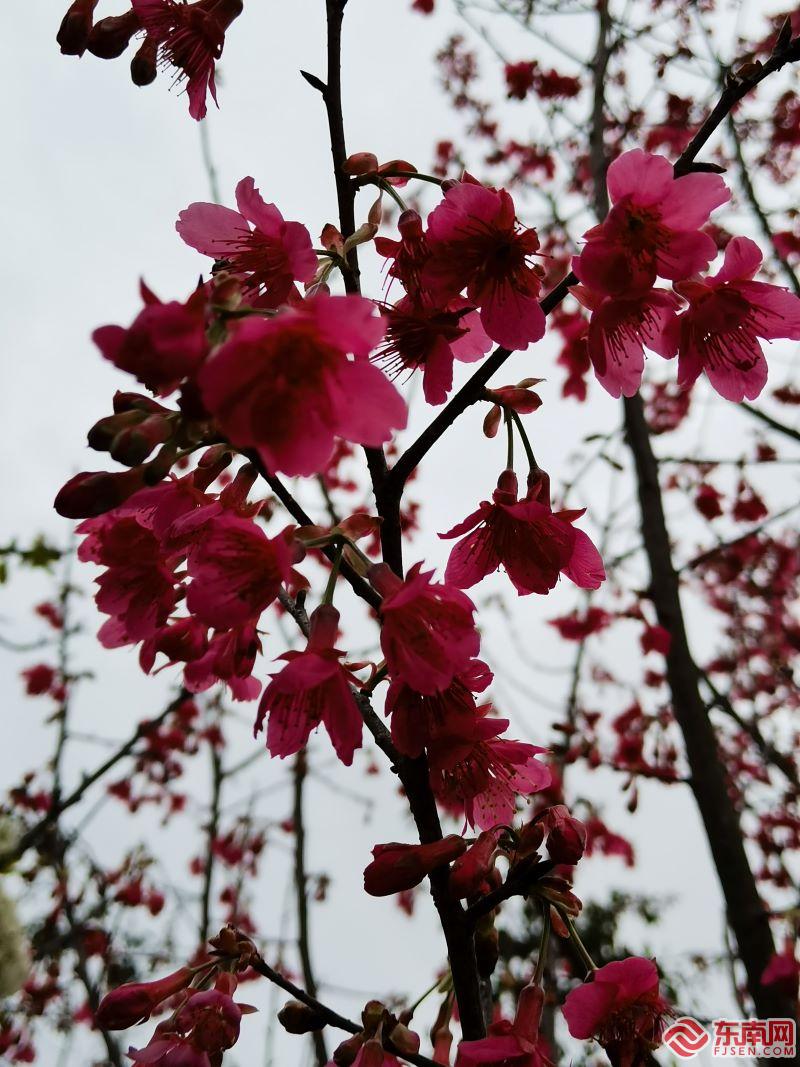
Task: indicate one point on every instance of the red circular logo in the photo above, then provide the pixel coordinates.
(686, 1037)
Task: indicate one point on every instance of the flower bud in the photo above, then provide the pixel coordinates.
(93, 493)
(471, 870)
(102, 434)
(298, 1018)
(144, 65)
(135, 1002)
(567, 841)
(397, 866)
(134, 444)
(361, 163)
(111, 36)
(73, 33)
(404, 1040)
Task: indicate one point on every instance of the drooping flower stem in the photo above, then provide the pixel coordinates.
(526, 444)
(331, 586)
(579, 945)
(510, 441)
(544, 942)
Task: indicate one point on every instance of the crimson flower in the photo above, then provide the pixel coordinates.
(621, 1007)
(533, 543)
(477, 244)
(727, 314)
(190, 38)
(164, 344)
(476, 772)
(428, 633)
(653, 228)
(621, 328)
(236, 570)
(229, 657)
(255, 242)
(286, 387)
(423, 336)
(517, 1044)
(312, 688)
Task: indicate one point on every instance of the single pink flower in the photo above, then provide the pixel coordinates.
(620, 1006)
(255, 242)
(476, 772)
(312, 688)
(236, 570)
(422, 336)
(286, 387)
(416, 717)
(213, 1017)
(533, 543)
(189, 37)
(477, 244)
(727, 314)
(621, 328)
(517, 1044)
(428, 633)
(653, 227)
(165, 343)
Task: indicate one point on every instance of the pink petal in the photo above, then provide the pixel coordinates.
(585, 567)
(368, 407)
(437, 373)
(512, 319)
(691, 199)
(776, 311)
(644, 177)
(742, 260)
(265, 217)
(685, 254)
(586, 1007)
(348, 322)
(211, 229)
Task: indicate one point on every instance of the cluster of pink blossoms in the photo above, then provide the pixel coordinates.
(654, 230)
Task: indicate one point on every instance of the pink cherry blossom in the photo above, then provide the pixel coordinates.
(420, 335)
(620, 1007)
(475, 771)
(621, 328)
(164, 344)
(236, 570)
(517, 1044)
(286, 387)
(477, 244)
(312, 688)
(428, 633)
(727, 314)
(653, 228)
(190, 38)
(255, 242)
(532, 542)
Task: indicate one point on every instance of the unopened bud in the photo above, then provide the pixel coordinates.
(471, 870)
(144, 65)
(397, 867)
(135, 1002)
(134, 444)
(112, 35)
(93, 493)
(102, 434)
(298, 1018)
(404, 1040)
(73, 33)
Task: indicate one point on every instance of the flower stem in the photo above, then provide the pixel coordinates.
(510, 449)
(533, 465)
(329, 588)
(579, 945)
(544, 941)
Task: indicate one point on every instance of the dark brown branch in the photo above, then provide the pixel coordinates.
(301, 897)
(516, 885)
(212, 832)
(768, 420)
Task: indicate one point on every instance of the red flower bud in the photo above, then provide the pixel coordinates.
(470, 871)
(73, 33)
(397, 866)
(298, 1018)
(111, 36)
(566, 840)
(94, 493)
(135, 1002)
(134, 444)
(144, 65)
